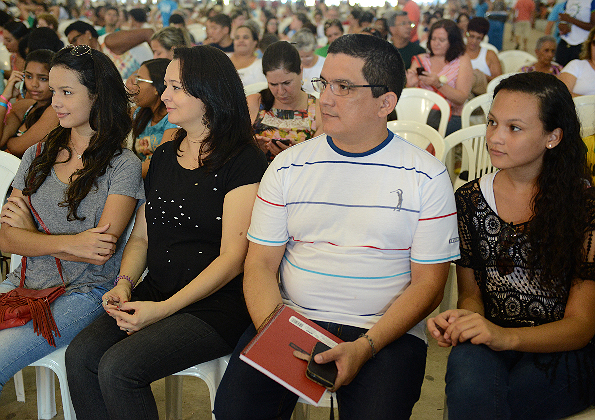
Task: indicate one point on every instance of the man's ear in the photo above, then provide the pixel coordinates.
(387, 104)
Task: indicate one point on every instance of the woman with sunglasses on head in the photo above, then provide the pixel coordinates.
(84, 186)
(191, 235)
(30, 120)
(283, 114)
(150, 125)
(522, 334)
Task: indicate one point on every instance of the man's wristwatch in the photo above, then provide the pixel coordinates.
(442, 80)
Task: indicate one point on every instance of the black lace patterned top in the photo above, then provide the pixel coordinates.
(497, 252)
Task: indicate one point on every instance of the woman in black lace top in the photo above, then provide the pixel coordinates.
(522, 334)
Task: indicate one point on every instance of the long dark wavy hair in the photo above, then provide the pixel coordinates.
(109, 118)
(156, 68)
(559, 224)
(208, 74)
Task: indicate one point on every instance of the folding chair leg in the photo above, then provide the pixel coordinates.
(19, 386)
(173, 397)
(46, 393)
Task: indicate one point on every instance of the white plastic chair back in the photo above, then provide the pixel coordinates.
(494, 82)
(420, 135)
(255, 87)
(513, 60)
(4, 58)
(476, 159)
(415, 104)
(585, 108)
(482, 101)
(9, 164)
(198, 31)
(489, 46)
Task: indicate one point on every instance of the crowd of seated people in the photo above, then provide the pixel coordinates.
(174, 83)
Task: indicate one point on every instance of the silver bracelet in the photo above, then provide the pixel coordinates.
(367, 337)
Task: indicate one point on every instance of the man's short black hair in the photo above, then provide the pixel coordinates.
(221, 20)
(139, 15)
(81, 27)
(177, 19)
(383, 64)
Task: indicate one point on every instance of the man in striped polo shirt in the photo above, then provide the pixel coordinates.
(361, 226)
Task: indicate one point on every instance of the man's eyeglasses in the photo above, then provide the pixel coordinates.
(338, 88)
(135, 79)
(410, 24)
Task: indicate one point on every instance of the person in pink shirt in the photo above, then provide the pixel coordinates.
(523, 20)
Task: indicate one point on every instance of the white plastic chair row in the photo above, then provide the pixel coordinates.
(513, 60)
(585, 108)
(415, 104)
(420, 135)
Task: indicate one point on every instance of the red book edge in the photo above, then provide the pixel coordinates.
(318, 390)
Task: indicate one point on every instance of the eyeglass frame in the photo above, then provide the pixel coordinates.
(316, 80)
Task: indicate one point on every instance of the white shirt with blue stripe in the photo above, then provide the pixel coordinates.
(352, 223)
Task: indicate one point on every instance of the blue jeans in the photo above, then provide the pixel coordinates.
(110, 372)
(387, 387)
(486, 384)
(21, 346)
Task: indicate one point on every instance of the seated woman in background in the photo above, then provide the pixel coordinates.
(165, 40)
(283, 114)
(150, 125)
(305, 42)
(522, 338)
(333, 29)
(189, 308)
(30, 120)
(446, 69)
(85, 187)
(484, 61)
(545, 51)
(245, 43)
(13, 32)
(579, 75)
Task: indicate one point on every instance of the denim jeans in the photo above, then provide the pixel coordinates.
(21, 346)
(110, 372)
(486, 384)
(387, 387)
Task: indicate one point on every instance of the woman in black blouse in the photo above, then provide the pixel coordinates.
(522, 334)
(191, 235)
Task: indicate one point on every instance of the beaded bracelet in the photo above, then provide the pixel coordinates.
(122, 276)
(367, 337)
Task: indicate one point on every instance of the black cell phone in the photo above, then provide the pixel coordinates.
(420, 70)
(285, 142)
(324, 374)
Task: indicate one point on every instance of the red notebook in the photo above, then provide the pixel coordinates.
(271, 351)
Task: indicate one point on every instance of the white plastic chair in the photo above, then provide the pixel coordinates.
(585, 108)
(513, 60)
(419, 134)
(482, 101)
(302, 408)
(494, 82)
(255, 87)
(4, 58)
(489, 46)
(211, 372)
(415, 104)
(44, 379)
(9, 164)
(198, 31)
(475, 159)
